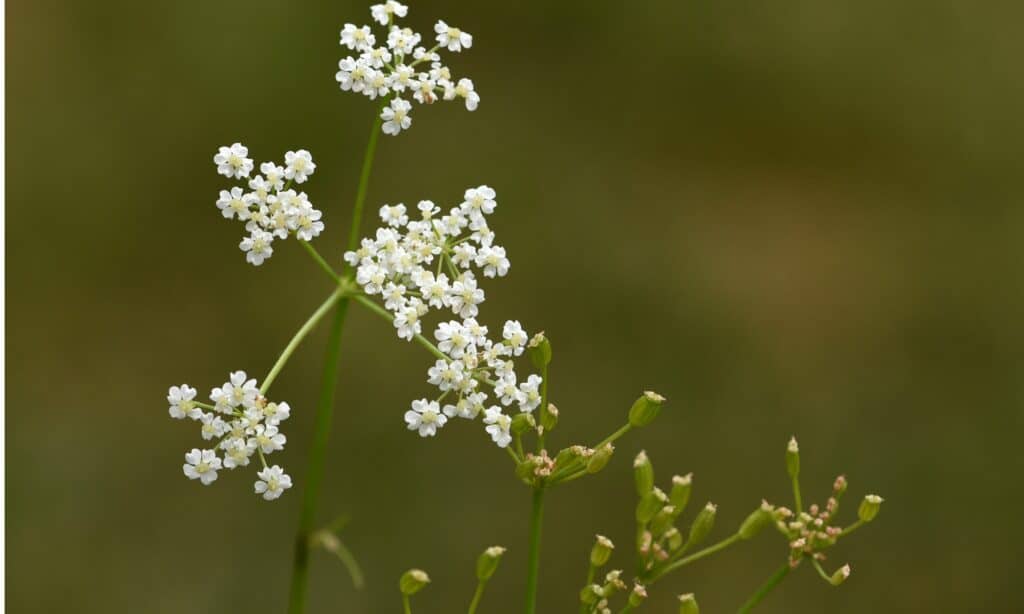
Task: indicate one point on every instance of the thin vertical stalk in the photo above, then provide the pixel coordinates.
(325, 404)
(765, 588)
(533, 561)
(477, 596)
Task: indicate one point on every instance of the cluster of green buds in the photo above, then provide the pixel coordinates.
(812, 531)
(596, 596)
(414, 580)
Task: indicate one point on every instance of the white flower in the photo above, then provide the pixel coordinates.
(465, 297)
(272, 482)
(240, 390)
(435, 290)
(446, 375)
(201, 465)
(407, 322)
(479, 201)
(232, 161)
(276, 413)
(463, 255)
(396, 117)
(237, 452)
(268, 438)
(452, 38)
(493, 260)
(232, 204)
(306, 221)
(506, 390)
(360, 39)
(181, 402)
(516, 337)
(257, 247)
(452, 338)
(425, 417)
(498, 425)
(529, 397)
(403, 40)
(213, 426)
(394, 216)
(274, 175)
(382, 13)
(299, 165)
(423, 91)
(463, 89)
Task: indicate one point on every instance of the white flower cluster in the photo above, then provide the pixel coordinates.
(243, 422)
(402, 66)
(428, 263)
(271, 209)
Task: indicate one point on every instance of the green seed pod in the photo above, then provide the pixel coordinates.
(757, 520)
(600, 458)
(688, 604)
(638, 595)
(649, 505)
(679, 496)
(523, 422)
(662, 521)
(601, 551)
(645, 409)
(549, 417)
(840, 575)
(674, 539)
(869, 508)
(793, 458)
(702, 524)
(487, 564)
(591, 594)
(539, 349)
(413, 581)
(643, 472)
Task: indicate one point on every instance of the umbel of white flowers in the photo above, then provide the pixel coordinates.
(270, 209)
(243, 423)
(402, 66)
(416, 265)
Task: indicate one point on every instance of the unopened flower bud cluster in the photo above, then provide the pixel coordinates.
(416, 265)
(270, 208)
(242, 423)
(812, 531)
(401, 66)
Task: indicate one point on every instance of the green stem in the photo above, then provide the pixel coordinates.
(320, 261)
(543, 405)
(627, 608)
(325, 405)
(533, 559)
(853, 527)
(297, 339)
(568, 472)
(765, 588)
(796, 495)
(591, 570)
(696, 556)
(384, 313)
(476, 597)
(405, 604)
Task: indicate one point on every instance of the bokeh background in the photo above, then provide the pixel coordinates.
(789, 218)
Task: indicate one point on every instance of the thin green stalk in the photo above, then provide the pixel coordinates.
(325, 405)
(765, 588)
(320, 261)
(543, 405)
(309, 325)
(696, 556)
(405, 604)
(853, 527)
(568, 472)
(533, 558)
(796, 494)
(628, 608)
(384, 313)
(477, 596)
(591, 570)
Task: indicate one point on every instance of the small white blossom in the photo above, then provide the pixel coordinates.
(394, 216)
(232, 161)
(396, 117)
(201, 465)
(182, 404)
(425, 417)
(493, 260)
(272, 482)
(268, 439)
(232, 204)
(359, 39)
(498, 426)
(516, 337)
(529, 397)
(257, 247)
(237, 452)
(383, 13)
(299, 165)
(452, 38)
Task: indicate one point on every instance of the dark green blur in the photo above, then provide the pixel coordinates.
(788, 218)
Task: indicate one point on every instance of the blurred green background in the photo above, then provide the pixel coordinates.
(799, 217)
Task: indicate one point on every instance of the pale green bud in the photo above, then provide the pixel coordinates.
(662, 521)
(674, 539)
(591, 594)
(601, 551)
(793, 458)
(539, 349)
(869, 508)
(757, 520)
(649, 505)
(600, 458)
(523, 422)
(638, 595)
(612, 583)
(688, 604)
(645, 409)
(487, 564)
(643, 472)
(840, 575)
(549, 417)
(413, 581)
(679, 496)
(703, 524)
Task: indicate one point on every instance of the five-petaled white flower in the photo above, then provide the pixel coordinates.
(272, 482)
(182, 402)
(201, 465)
(299, 165)
(425, 417)
(232, 161)
(498, 426)
(452, 38)
(396, 117)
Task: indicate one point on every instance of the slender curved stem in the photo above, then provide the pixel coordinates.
(325, 405)
(477, 596)
(321, 261)
(765, 588)
(309, 325)
(696, 556)
(384, 313)
(533, 560)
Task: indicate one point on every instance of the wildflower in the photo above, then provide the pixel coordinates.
(201, 465)
(396, 117)
(182, 404)
(272, 482)
(452, 38)
(498, 426)
(299, 165)
(232, 161)
(384, 13)
(425, 417)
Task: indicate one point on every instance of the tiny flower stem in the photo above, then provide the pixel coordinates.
(320, 261)
(533, 559)
(821, 571)
(853, 527)
(543, 404)
(405, 604)
(591, 570)
(796, 494)
(205, 406)
(696, 556)
(765, 588)
(377, 309)
(513, 454)
(569, 471)
(477, 596)
(289, 349)
(519, 444)
(628, 608)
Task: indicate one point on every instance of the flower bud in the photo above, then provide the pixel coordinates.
(674, 539)
(757, 520)
(549, 417)
(839, 486)
(679, 496)
(612, 583)
(539, 349)
(662, 521)
(645, 409)
(523, 422)
(643, 472)
(869, 508)
(702, 524)
(840, 575)
(638, 595)
(601, 551)
(412, 581)
(591, 594)
(649, 505)
(793, 458)
(600, 458)
(487, 564)
(688, 604)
